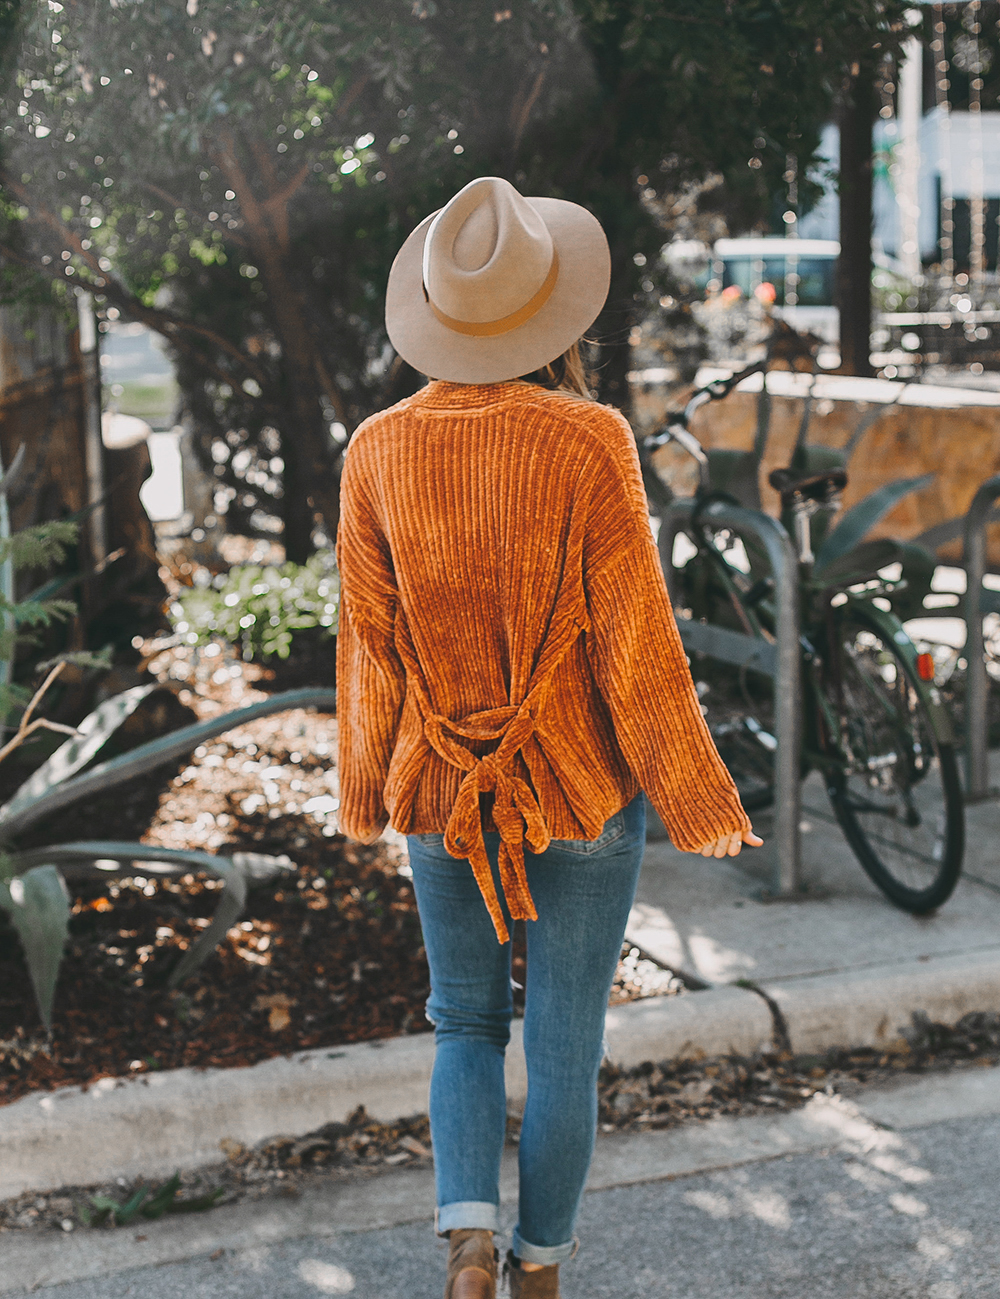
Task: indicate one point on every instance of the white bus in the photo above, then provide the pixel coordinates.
(801, 271)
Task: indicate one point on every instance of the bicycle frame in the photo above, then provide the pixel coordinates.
(758, 619)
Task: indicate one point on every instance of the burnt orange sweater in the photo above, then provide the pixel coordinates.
(505, 630)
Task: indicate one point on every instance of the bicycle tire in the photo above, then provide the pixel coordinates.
(910, 848)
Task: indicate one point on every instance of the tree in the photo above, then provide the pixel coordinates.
(200, 176)
(238, 176)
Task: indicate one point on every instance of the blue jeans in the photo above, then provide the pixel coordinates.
(583, 891)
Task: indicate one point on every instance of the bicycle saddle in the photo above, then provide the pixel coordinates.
(810, 485)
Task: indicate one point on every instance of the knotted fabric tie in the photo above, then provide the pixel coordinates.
(516, 813)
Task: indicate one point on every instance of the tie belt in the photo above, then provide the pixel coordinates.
(516, 812)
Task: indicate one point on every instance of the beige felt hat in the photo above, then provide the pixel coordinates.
(496, 285)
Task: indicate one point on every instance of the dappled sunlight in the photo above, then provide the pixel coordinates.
(713, 1203)
(326, 1278)
(905, 1172)
(764, 1203)
(657, 933)
(868, 1177)
(909, 1205)
(714, 961)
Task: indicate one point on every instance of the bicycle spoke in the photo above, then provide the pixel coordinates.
(894, 797)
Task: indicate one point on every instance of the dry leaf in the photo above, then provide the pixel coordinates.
(278, 1019)
(278, 1006)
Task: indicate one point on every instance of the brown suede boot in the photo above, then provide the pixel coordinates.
(472, 1265)
(543, 1284)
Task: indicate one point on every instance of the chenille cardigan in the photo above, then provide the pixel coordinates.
(505, 631)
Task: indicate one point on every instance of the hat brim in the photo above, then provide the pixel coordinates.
(580, 292)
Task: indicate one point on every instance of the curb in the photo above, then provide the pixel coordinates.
(399, 1196)
(151, 1125)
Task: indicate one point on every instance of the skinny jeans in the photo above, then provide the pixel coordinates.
(583, 891)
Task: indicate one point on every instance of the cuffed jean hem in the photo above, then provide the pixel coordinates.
(546, 1255)
(467, 1215)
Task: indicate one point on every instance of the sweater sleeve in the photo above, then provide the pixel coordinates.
(371, 681)
(639, 662)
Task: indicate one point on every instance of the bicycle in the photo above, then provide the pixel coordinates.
(874, 725)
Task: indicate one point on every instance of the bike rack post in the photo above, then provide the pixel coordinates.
(785, 663)
(977, 770)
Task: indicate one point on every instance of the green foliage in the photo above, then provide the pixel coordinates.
(862, 517)
(147, 1202)
(39, 908)
(32, 890)
(258, 166)
(261, 609)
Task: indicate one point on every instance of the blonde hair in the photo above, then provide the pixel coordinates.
(567, 373)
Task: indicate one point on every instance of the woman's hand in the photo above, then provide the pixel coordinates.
(729, 845)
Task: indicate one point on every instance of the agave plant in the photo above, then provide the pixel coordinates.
(32, 881)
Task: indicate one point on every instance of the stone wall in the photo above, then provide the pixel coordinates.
(898, 431)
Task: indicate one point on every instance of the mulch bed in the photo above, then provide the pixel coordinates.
(328, 953)
(668, 1094)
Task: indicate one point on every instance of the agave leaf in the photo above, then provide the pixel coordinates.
(257, 867)
(228, 911)
(24, 811)
(861, 518)
(238, 872)
(92, 734)
(38, 904)
(859, 564)
(244, 868)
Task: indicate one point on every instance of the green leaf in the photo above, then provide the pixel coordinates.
(92, 734)
(859, 564)
(23, 810)
(238, 872)
(38, 904)
(163, 1198)
(862, 517)
(198, 1203)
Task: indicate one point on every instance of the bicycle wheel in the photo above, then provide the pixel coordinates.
(738, 702)
(739, 708)
(897, 796)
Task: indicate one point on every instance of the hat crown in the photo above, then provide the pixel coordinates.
(487, 253)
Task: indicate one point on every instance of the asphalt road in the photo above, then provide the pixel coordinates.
(914, 1216)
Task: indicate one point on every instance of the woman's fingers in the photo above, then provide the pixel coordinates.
(729, 845)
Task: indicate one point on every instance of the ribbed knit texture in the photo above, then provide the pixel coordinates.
(505, 630)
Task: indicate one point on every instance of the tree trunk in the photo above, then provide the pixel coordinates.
(854, 270)
(310, 480)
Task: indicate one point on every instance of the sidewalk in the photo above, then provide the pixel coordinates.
(888, 1196)
(841, 967)
(707, 918)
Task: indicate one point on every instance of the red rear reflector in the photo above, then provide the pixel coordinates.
(925, 667)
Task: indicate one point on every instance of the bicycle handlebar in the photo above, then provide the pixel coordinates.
(677, 423)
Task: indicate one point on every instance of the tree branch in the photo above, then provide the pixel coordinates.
(184, 207)
(163, 322)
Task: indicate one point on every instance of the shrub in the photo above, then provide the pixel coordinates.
(261, 609)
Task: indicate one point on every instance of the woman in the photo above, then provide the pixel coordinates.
(510, 674)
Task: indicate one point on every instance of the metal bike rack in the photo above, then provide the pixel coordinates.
(977, 768)
(781, 660)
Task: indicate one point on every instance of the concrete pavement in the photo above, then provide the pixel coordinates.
(889, 1196)
(707, 917)
(842, 966)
